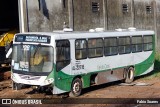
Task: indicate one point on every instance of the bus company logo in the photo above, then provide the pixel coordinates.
(29, 77)
(6, 101)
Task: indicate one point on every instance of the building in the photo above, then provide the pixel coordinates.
(49, 15)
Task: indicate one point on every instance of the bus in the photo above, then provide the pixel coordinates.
(67, 62)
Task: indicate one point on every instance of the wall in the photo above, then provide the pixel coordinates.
(143, 19)
(84, 17)
(79, 15)
(116, 17)
(158, 24)
(47, 15)
(110, 15)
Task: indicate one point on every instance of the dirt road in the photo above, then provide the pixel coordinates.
(140, 88)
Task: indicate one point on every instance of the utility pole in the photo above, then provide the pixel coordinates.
(104, 15)
(71, 14)
(132, 13)
(21, 15)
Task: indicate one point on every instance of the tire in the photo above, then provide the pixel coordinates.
(129, 75)
(76, 88)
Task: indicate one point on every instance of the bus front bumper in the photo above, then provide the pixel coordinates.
(31, 80)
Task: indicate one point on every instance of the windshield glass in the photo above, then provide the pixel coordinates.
(32, 58)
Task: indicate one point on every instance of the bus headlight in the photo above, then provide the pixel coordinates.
(48, 81)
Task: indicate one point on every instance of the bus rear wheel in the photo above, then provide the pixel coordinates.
(129, 75)
(76, 87)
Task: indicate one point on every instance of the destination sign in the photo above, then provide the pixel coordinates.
(32, 38)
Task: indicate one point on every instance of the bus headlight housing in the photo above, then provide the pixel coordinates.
(49, 81)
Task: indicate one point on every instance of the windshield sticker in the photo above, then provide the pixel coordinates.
(16, 66)
(24, 65)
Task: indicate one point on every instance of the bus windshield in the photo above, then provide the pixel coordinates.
(32, 58)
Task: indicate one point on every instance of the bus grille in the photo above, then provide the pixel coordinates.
(29, 77)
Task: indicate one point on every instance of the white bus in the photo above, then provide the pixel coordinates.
(71, 61)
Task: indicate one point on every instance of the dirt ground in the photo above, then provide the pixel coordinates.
(140, 88)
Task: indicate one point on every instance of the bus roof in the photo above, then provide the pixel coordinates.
(85, 34)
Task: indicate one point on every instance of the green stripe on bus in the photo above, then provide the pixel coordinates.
(63, 81)
(145, 65)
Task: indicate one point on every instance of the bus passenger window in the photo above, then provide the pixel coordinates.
(148, 39)
(95, 48)
(81, 49)
(110, 46)
(62, 54)
(124, 45)
(137, 44)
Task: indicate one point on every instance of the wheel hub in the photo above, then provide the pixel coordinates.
(76, 87)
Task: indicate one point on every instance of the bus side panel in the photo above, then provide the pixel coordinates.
(109, 76)
(145, 65)
(63, 81)
(63, 78)
(86, 80)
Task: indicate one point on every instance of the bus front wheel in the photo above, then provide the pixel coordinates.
(129, 75)
(76, 87)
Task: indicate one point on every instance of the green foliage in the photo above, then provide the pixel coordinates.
(157, 62)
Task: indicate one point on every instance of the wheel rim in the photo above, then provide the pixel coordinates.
(130, 73)
(76, 87)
